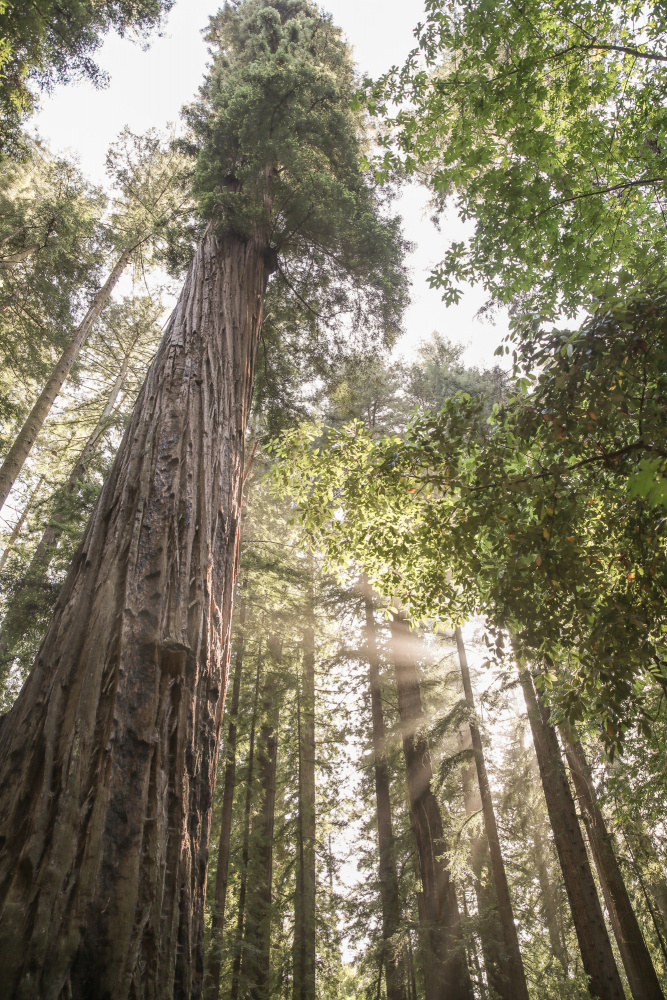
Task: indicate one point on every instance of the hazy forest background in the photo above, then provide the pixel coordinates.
(333, 395)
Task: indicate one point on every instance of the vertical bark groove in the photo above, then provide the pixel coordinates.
(108, 756)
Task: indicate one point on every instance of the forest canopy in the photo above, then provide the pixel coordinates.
(333, 649)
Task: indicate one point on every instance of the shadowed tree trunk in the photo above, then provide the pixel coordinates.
(222, 871)
(108, 757)
(13, 625)
(389, 894)
(548, 895)
(446, 975)
(508, 978)
(303, 960)
(643, 981)
(596, 953)
(245, 849)
(256, 953)
(26, 437)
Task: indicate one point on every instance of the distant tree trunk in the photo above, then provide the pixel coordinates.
(596, 953)
(245, 847)
(26, 437)
(108, 757)
(16, 530)
(12, 629)
(222, 872)
(389, 893)
(645, 855)
(643, 981)
(257, 938)
(509, 980)
(303, 964)
(446, 975)
(548, 898)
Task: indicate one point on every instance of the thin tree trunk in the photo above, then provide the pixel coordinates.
(303, 964)
(643, 981)
(596, 953)
(446, 975)
(549, 900)
(511, 983)
(389, 892)
(645, 854)
(16, 530)
(245, 849)
(257, 938)
(12, 628)
(222, 871)
(26, 437)
(108, 757)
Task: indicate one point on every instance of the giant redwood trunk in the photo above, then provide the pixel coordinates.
(108, 757)
(304, 952)
(389, 894)
(642, 978)
(214, 958)
(446, 975)
(596, 953)
(508, 977)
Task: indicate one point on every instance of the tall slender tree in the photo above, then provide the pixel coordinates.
(644, 984)
(389, 890)
(303, 962)
(224, 843)
(511, 982)
(109, 754)
(446, 975)
(596, 953)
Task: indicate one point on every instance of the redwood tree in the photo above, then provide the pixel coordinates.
(108, 757)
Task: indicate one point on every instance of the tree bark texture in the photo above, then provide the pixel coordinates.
(12, 629)
(256, 955)
(26, 437)
(446, 975)
(642, 978)
(108, 757)
(389, 892)
(596, 953)
(510, 983)
(303, 962)
(214, 958)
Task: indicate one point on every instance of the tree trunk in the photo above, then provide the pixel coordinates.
(12, 629)
(108, 757)
(303, 964)
(549, 899)
(222, 871)
(509, 980)
(389, 893)
(245, 849)
(643, 981)
(26, 437)
(16, 530)
(446, 975)
(257, 938)
(596, 953)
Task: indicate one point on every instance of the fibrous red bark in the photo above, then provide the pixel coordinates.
(107, 760)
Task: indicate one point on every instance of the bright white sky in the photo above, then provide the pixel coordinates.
(148, 88)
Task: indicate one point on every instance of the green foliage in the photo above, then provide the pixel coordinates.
(534, 511)
(546, 123)
(44, 42)
(278, 148)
